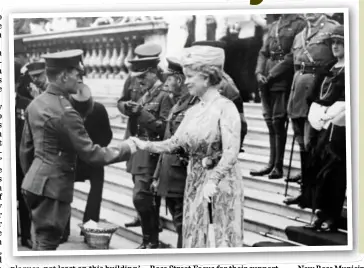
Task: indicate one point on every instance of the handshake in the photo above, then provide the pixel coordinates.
(137, 144)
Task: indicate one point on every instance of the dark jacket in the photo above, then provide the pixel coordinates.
(97, 125)
(171, 170)
(53, 136)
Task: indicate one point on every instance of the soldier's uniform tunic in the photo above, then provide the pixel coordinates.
(172, 171)
(150, 125)
(274, 95)
(311, 54)
(53, 136)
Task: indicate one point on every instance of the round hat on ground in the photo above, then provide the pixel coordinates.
(141, 66)
(35, 68)
(148, 50)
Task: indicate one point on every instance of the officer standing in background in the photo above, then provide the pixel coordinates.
(54, 135)
(149, 114)
(171, 172)
(228, 89)
(133, 92)
(36, 70)
(311, 55)
(21, 103)
(274, 74)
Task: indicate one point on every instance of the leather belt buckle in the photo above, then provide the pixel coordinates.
(303, 67)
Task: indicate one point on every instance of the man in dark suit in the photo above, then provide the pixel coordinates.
(149, 115)
(21, 103)
(171, 172)
(54, 135)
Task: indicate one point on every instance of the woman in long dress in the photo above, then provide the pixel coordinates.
(210, 134)
(326, 169)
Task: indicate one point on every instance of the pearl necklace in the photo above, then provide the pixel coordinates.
(322, 95)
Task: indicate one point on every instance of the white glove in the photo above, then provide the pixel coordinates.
(209, 190)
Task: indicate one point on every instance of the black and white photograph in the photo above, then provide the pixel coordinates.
(174, 132)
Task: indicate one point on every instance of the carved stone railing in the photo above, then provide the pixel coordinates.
(107, 49)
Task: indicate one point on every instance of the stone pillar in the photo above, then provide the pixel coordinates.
(200, 28)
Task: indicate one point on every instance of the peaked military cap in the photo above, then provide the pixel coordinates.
(148, 50)
(141, 66)
(218, 44)
(35, 68)
(338, 32)
(19, 46)
(174, 67)
(65, 59)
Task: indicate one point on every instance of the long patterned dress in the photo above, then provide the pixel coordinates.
(210, 128)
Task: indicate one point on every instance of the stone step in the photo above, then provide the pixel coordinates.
(122, 204)
(313, 238)
(107, 215)
(75, 241)
(262, 148)
(260, 193)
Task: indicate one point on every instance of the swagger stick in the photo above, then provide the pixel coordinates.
(289, 166)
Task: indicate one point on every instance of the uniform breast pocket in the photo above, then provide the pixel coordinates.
(152, 107)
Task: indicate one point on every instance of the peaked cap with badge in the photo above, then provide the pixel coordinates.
(174, 67)
(35, 68)
(147, 58)
(65, 59)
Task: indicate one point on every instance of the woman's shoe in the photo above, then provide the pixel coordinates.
(316, 225)
(328, 226)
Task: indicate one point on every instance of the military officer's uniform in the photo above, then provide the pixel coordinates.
(150, 124)
(311, 54)
(53, 136)
(274, 95)
(133, 92)
(172, 168)
(228, 89)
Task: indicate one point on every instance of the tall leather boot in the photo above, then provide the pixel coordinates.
(280, 138)
(272, 153)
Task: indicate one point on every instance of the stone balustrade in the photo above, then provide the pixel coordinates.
(107, 49)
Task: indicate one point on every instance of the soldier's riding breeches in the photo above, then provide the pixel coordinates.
(49, 218)
(144, 202)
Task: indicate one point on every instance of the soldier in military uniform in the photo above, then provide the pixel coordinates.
(274, 74)
(149, 114)
(21, 103)
(171, 172)
(133, 92)
(37, 73)
(53, 136)
(311, 54)
(228, 89)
